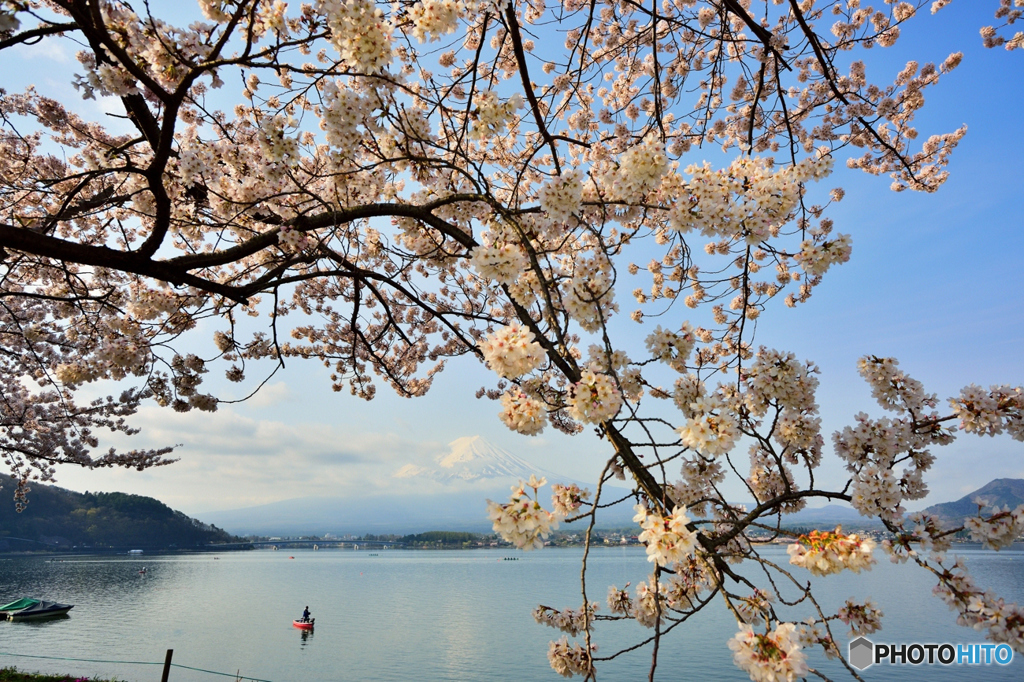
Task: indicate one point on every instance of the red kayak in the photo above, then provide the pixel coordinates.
(304, 624)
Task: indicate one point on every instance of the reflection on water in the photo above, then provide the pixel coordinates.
(417, 615)
(306, 636)
(41, 623)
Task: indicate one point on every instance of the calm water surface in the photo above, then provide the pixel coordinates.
(418, 615)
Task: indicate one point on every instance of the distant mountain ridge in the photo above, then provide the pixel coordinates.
(377, 514)
(1001, 492)
(830, 515)
(474, 470)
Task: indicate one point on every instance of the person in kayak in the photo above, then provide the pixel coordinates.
(305, 615)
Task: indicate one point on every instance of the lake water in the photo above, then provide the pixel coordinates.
(418, 615)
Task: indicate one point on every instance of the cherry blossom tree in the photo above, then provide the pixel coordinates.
(384, 187)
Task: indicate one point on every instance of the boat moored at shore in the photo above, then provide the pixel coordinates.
(27, 608)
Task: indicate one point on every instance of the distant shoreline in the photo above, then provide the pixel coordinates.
(56, 557)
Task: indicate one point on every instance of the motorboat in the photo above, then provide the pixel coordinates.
(34, 609)
(304, 624)
(18, 605)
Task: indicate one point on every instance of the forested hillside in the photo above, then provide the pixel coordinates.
(442, 538)
(58, 518)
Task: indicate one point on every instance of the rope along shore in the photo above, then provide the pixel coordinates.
(101, 660)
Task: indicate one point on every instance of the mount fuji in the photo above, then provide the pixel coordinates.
(449, 494)
(473, 459)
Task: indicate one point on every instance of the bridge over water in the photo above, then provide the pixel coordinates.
(315, 544)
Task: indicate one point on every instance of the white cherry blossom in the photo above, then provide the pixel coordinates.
(823, 553)
(774, 656)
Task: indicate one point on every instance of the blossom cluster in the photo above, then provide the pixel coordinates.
(688, 390)
(639, 170)
(1009, 12)
(107, 79)
(292, 240)
(570, 659)
(810, 634)
(802, 433)
(672, 348)
(567, 499)
(667, 538)
(122, 354)
(770, 657)
(875, 491)
(571, 621)
(73, 373)
(892, 388)
(523, 414)
(778, 378)
(872, 447)
(619, 601)
(360, 33)
(817, 258)
(8, 20)
(929, 533)
(493, 114)
(747, 200)
(522, 521)
(757, 608)
(343, 112)
(863, 619)
(587, 294)
(999, 530)
(770, 479)
(686, 581)
(696, 485)
(149, 304)
(981, 610)
(594, 398)
(713, 429)
(512, 351)
(648, 608)
(274, 144)
(678, 588)
(616, 361)
(433, 19)
(562, 196)
(827, 552)
(502, 262)
(193, 160)
(990, 412)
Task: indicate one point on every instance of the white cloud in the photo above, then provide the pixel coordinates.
(271, 394)
(229, 460)
(46, 49)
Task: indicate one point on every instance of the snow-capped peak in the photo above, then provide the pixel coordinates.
(472, 458)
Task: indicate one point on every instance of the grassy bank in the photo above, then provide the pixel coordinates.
(14, 675)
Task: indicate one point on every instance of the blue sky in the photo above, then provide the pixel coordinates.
(934, 280)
